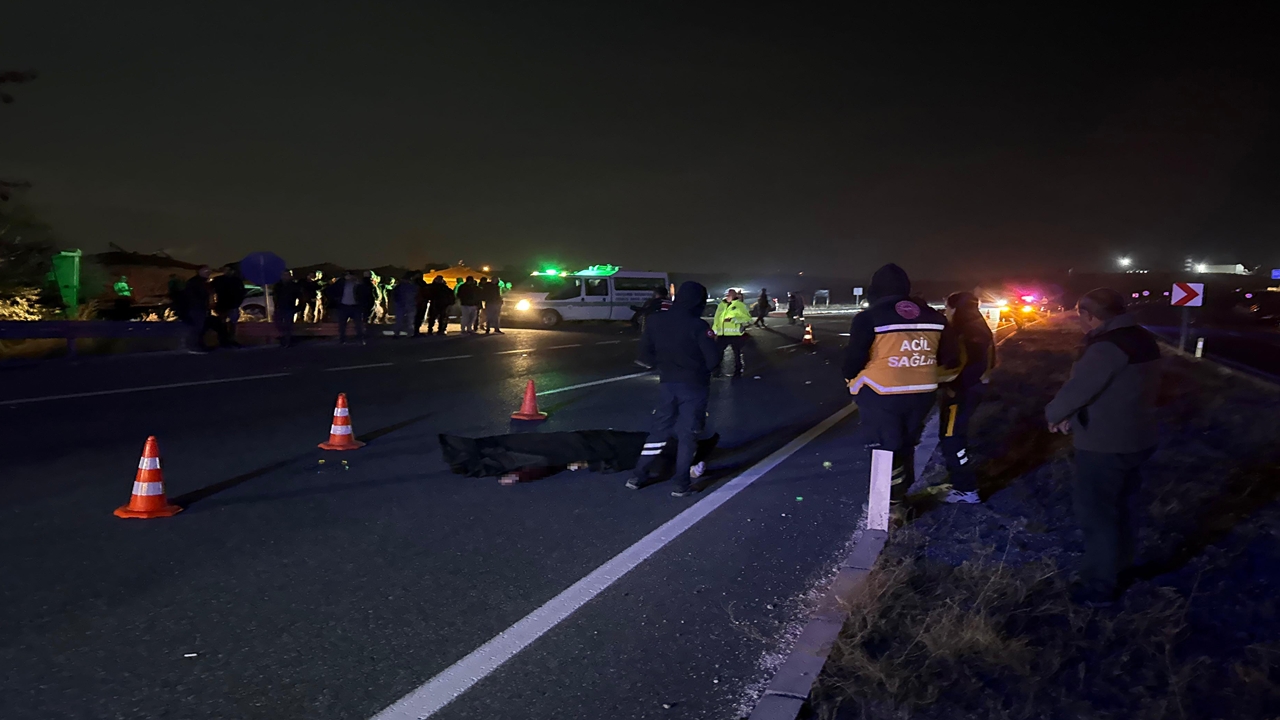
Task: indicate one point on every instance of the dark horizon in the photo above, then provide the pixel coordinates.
(963, 143)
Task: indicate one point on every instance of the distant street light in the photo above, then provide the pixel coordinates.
(1125, 262)
(485, 268)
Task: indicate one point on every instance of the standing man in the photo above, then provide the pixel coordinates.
(763, 308)
(482, 314)
(195, 303)
(288, 296)
(424, 299)
(349, 299)
(493, 308)
(891, 366)
(469, 298)
(442, 300)
(1108, 406)
(229, 288)
(795, 307)
(730, 327)
(310, 288)
(960, 392)
(406, 296)
(683, 348)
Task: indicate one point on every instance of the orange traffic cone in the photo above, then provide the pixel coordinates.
(808, 335)
(529, 408)
(148, 499)
(340, 435)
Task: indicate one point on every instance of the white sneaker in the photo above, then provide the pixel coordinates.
(697, 470)
(958, 497)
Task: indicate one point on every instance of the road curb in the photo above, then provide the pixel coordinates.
(789, 689)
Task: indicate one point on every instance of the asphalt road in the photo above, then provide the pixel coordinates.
(297, 585)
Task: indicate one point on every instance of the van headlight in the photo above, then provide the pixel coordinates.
(523, 306)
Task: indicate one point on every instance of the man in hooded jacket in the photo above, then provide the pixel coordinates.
(683, 348)
(891, 366)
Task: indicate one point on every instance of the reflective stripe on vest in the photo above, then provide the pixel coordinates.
(904, 360)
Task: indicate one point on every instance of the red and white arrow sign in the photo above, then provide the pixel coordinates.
(1187, 295)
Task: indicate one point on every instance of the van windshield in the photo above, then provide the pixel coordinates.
(540, 284)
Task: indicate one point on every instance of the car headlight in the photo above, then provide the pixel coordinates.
(523, 306)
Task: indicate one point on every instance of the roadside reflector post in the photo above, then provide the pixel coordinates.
(1199, 347)
(878, 497)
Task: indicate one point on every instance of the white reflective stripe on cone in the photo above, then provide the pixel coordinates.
(654, 445)
(339, 429)
(147, 463)
(148, 488)
(341, 412)
(651, 452)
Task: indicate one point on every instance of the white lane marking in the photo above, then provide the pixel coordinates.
(608, 342)
(455, 680)
(513, 352)
(121, 391)
(451, 357)
(593, 383)
(359, 367)
(784, 347)
(561, 347)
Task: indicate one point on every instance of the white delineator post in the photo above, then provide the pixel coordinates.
(1199, 347)
(878, 498)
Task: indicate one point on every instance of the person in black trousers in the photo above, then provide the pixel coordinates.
(683, 348)
(442, 299)
(960, 391)
(288, 301)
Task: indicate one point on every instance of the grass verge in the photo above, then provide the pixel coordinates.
(966, 615)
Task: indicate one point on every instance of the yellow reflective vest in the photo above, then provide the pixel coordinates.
(732, 318)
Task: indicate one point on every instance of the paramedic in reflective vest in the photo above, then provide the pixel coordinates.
(961, 391)
(891, 366)
(730, 326)
(682, 347)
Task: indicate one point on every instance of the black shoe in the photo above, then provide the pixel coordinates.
(683, 493)
(1091, 597)
(498, 332)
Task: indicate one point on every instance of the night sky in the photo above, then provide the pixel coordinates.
(954, 141)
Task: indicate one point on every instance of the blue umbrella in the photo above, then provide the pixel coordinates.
(262, 268)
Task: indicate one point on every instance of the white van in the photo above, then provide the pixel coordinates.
(601, 292)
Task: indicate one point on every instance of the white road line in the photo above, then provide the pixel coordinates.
(451, 357)
(359, 367)
(121, 391)
(455, 680)
(593, 383)
(608, 342)
(561, 347)
(512, 352)
(784, 347)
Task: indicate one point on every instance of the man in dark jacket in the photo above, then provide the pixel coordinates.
(469, 299)
(229, 288)
(442, 298)
(1109, 407)
(309, 287)
(492, 298)
(288, 300)
(891, 366)
(763, 307)
(683, 348)
(795, 307)
(961, 391)
(422, 302)
(351, 300)
(406, 303)
(196, 297)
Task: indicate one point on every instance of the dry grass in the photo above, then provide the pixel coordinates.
(966, 615)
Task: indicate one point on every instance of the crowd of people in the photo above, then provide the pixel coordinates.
(208, 303)
(904, 358)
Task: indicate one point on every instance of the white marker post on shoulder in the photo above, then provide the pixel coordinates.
(1200, 347)
(878, 497)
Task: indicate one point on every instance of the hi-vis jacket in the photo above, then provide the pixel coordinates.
(732, 318)
(896, 346)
